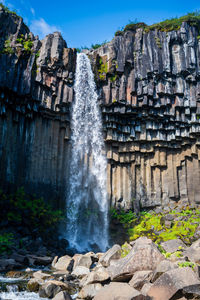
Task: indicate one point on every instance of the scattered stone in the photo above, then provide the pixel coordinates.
(140, 278)
(173, 245)
(40, 275)
(80, 272)
(81, 260)
(62, 296)
(98, 275)
(144, 256)
(112, 254)
(89, 291)
(146, 287)
(34, 284)
(119, 291)
(39, 260)
(9, 264)
(51, 288)
(163, 267)
(63, 263)
(172, 281)
(193, 252)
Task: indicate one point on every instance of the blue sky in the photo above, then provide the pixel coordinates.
(85, 22)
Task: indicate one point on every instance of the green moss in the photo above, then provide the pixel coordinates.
(125, 250)
(126, 218)
(102, 70)
(158, 42)
(113, 78)
(192, 19)
(154, 228)
(186, 264)
(7, 47)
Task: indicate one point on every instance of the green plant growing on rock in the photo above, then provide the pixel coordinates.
(126, 218)
(125, 249)
(96, 46)
(6, 242)
(158, 42)
(24, 210)
(102, 70)
(186, 264)
(7, 47)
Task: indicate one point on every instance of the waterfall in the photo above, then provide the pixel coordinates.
(87, 207)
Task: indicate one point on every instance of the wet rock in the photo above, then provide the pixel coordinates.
(51, 288)
(173, 245)
(120, 291)
(34, 284)
(40, 275)
(112, 254)
(9, 264)
(39, 260)
(173, 281)
(144, 256)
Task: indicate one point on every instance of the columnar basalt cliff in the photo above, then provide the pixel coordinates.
(149, 91)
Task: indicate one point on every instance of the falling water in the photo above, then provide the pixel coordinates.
(87, 208)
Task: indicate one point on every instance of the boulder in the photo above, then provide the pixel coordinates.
(40, 275)
(100, 274)
(144, 256)
(80, 271)
(34, 284)
(9, 264)
(22, 259)
(62, 296)
(173, 281)
(63, 263)
(146, 287)
(119, 291)
(173, 245)
(39, 260)
(89, 291)
(162, 267)
(140, 278)
(82, 260)
(193, 252)
(112, 254)
(52, 287)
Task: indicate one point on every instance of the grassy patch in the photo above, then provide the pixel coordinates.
(192, 19)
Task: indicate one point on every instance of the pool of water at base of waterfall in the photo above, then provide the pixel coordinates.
(12, 292)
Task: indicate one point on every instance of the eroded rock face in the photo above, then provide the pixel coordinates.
(149, 96)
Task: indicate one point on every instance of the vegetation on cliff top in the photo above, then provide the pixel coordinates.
(192, 19)
(8, 10)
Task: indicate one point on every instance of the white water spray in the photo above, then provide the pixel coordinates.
(87, 207)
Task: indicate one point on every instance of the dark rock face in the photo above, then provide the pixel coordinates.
(149, 91)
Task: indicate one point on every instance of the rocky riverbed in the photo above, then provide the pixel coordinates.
(146, 272)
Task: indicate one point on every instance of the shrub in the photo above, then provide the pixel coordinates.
(6, 242)
(24, 210)
(126, 218)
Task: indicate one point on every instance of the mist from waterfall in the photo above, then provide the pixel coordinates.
(87, 206)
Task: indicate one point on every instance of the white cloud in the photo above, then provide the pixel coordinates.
(41, 27)
(33, 11)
